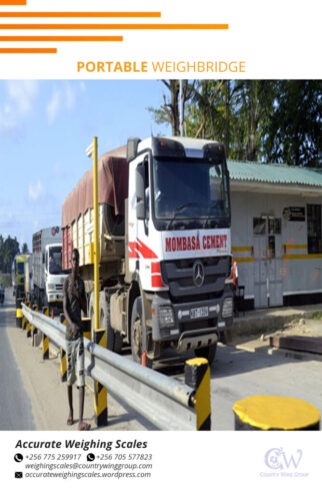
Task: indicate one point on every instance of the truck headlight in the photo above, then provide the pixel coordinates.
(227, 308)
(166, 316)
(51, 287)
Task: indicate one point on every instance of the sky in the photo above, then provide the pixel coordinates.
(45, 128)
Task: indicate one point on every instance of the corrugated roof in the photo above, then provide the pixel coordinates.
(274, 173)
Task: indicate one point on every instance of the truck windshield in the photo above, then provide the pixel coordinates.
(190, 194)
(55, 260)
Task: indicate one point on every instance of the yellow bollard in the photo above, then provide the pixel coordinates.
(63, 358)
(197, 376)
(44, 339)
(269, 412)
(100, 392)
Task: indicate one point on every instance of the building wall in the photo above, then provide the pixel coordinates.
(273, 260)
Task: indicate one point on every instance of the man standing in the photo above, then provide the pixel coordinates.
(74, 303)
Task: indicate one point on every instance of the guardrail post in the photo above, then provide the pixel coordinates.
(87, 328)
(24, 320)
(275, 413)
(100, 392)
(63, 358)
(44, 339)
(31, 330)
(19, 314)
(197, 376)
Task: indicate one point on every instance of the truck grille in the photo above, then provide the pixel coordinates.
(180, 275)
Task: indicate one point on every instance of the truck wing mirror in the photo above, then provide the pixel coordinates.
(140, 192)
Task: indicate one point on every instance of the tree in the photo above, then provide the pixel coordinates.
(24, 248)
(295, 131)
(257, 120)
(10, 248)
(170, 110)
(1, 253)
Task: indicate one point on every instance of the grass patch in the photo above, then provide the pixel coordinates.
(317, 316)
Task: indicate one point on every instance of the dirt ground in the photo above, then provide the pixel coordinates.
(298, 326)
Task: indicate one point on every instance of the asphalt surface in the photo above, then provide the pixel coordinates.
(15, 404)
(36, 398)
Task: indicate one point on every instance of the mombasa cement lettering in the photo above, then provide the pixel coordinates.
(187, 243)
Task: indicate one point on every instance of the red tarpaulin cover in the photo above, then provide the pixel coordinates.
(112, 187)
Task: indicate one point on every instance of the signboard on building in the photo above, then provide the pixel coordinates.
(294, 213)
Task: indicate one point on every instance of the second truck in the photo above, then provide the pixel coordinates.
(164, 234)
(48, 276)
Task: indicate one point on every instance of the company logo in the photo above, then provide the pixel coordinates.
(281, 463)
(198, 273)
(277, 459)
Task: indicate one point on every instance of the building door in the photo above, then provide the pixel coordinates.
(268, 281)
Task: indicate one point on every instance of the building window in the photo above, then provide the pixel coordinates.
(314, 236)
(259, 225)
(274, 226)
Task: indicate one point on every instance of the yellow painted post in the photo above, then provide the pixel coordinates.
(19, 314)
(86, 321)
(100, 392)
(45, 340)
(32, 330)
(197, 376)
(96, 236)
(271, 412)
(63, 357)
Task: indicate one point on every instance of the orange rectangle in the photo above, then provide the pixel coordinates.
(80, 14)
(13, 2)
(27, 50)
(116, 26)
(61, 38)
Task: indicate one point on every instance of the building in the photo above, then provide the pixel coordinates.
(277, 233)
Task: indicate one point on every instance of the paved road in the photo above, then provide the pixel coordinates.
(237, 374)
(36, 398)
(15, 405)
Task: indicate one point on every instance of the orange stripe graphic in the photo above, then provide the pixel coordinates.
(13, 2)
(61, 38)
(80, 14)
(28, 50)
(114, 26)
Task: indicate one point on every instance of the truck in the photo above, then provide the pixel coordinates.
(165, 246)
(48, 276)
(21, 276)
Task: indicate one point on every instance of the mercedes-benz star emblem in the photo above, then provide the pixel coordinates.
(198, 273)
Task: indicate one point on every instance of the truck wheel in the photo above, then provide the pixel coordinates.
(104, 320)
(136, 333)
(114, 339)
(118, 342)
(136, 330)
(207, 352)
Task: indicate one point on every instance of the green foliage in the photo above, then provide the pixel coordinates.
(317, 316)
(257, 120)
(8, 249)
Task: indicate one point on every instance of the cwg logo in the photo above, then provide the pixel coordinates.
(278, 460)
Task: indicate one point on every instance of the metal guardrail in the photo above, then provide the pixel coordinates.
(168, 404)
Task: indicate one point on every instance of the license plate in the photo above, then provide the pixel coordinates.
(201, 312)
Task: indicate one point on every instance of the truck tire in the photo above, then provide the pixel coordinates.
(114, 339)
(114, 224)
(136, 333)
(207, 352)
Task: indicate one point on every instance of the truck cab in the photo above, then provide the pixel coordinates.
(179, 255)
(54, 275)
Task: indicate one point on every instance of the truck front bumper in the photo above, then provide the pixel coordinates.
(190, 325)
(55, 298)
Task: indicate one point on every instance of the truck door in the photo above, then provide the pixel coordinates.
(268, 281)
